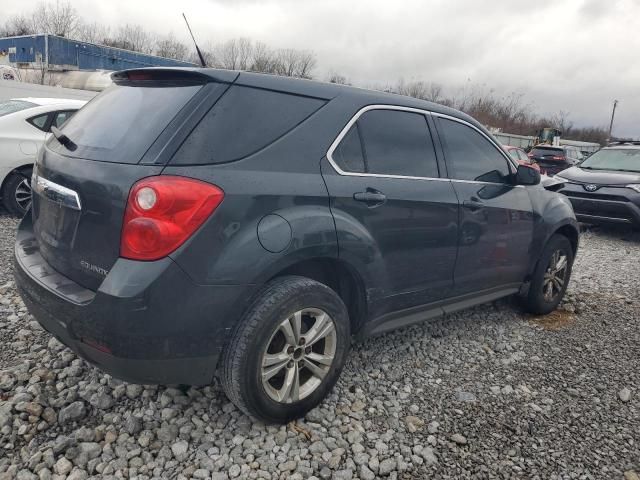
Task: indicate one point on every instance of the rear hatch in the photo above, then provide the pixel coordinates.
(548, 156)
(82, 180)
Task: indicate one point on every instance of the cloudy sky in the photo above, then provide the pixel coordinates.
(571, 55)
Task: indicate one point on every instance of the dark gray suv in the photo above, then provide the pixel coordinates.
(194, 223)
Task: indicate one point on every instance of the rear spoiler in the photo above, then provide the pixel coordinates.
(172, 77)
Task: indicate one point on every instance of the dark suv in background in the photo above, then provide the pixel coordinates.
(192, 223)
(605, 188)
(553, 159)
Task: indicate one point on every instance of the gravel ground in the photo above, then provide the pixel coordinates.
(487, 393)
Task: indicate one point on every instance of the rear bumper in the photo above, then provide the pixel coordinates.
(147, 323)
(610, 205)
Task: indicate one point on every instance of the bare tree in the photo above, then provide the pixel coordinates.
(295, 63)
(234, 54)
(335, 77)
(263, 59)
(17, 25)
(93, 33)
(133, 37)
(420, 89)
(56, 18)
(170, 47)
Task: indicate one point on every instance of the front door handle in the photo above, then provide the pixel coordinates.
(371, 197)
(473, 205)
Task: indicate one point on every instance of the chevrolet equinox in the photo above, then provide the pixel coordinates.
(193, 223)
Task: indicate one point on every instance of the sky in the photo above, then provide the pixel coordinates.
(571, 55)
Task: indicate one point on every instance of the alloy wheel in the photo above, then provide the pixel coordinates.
(299, 355)
(22, 194)
(555, 276)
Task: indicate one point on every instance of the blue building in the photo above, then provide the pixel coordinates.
(62, 54)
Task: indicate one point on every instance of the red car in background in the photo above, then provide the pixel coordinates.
(520, 156)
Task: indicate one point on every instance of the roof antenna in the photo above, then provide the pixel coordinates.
(202, 62)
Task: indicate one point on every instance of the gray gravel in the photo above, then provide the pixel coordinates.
(487, 393)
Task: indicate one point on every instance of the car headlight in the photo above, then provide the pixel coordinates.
(634, 186)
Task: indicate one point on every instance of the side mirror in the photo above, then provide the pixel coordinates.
(526, 175)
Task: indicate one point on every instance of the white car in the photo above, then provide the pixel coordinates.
(25, 124)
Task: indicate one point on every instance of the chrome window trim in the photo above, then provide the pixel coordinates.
(56, 193)
(359, 113)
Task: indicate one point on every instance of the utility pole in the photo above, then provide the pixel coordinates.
(613, 114)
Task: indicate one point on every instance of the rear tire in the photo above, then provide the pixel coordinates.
(16, 192)
(288, 351)
(550, 277)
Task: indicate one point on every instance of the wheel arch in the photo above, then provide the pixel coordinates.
(18, 169)
(338, 275)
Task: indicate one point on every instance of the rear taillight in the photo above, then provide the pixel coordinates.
(557, 157)
(163, 212)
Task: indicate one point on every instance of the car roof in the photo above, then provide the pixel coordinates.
(311, 88)
(53, 101)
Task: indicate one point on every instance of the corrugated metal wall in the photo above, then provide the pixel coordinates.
(70, 54)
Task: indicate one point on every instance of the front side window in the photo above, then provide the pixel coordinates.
(388, 142)
(60, 117)
(471, 156)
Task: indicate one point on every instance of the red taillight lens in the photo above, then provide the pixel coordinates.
(557, 157)
(163, 212)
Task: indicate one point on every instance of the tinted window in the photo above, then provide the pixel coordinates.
(40, 121)
(543, 152)
(397, 143)
(242, 122)
(348, 156)
(470, 155)
(61, 117)
(12, 106)
(121, 123)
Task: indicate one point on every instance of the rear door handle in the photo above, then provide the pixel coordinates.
(371, 197)
(472, 205)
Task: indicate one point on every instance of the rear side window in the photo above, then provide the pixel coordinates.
(388, 142)
(121, 123)
(348, 155)
(244, 121)
(40, 122)
(470, 156)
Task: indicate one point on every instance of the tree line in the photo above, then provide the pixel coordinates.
(508, 113)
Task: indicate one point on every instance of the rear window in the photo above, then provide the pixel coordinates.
(244, 121)
(541, 152)
(121, 123)
(13, 106)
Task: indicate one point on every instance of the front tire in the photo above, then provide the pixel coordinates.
(551, 276)
(16, 192)
(288, 350)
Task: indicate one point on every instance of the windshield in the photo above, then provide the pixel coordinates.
(13, 106)
(121, 123)
(623, 159)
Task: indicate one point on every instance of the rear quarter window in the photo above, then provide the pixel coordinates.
(244, 121)
(121, 123)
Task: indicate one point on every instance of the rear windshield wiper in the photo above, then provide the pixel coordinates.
(63, 139)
